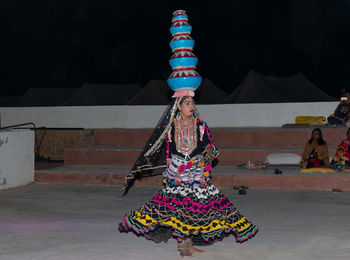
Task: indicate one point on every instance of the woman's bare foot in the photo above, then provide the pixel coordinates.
(194, 250)
(183, 248)
(186, 253)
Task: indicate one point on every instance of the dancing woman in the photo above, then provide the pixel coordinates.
(188, 208)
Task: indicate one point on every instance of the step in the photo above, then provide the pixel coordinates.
(101, 156)
(128, 156)
(267, 137)
(227, 137)
(122, 137)
(223, 177)
(237, 156)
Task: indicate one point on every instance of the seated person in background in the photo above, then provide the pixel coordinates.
(342, 155)
(315, 153)
(341, 158)
(342, 112)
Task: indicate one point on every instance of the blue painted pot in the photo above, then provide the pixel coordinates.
(181, 29)
(183, 62)
(186, 44)
(179, 17)
(184, 83)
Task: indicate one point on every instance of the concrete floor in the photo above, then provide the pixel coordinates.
(40, 221)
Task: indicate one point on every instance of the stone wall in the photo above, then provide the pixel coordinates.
(138, 117)
(52, 142)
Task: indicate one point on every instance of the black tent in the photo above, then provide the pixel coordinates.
(8, 101)
(258, 88)
(103, 94)
(209, 93)
(39, 97)
(156, 92)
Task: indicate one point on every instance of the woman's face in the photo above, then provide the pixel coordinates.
(187, 107)
(315, 135)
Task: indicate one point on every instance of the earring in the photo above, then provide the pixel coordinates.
(178, 116)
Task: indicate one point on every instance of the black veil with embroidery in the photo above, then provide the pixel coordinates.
(150, 155)
(153, 149)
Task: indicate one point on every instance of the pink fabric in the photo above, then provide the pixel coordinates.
(184, 93)
(167, 147)
(171, 203)
(182, 168)
(346, 144)
(208, 167)
(209, 136)
(189, 165)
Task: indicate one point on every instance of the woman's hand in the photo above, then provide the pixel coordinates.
(168, 161)
(303, 163)
(209, 151)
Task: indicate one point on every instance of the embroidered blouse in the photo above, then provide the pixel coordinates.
(189, 140)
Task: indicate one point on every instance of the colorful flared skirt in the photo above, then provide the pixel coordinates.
(202, 213)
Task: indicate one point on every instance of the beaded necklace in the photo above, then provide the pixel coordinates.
(186, 136)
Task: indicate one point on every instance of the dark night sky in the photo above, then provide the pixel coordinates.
(58, 43)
